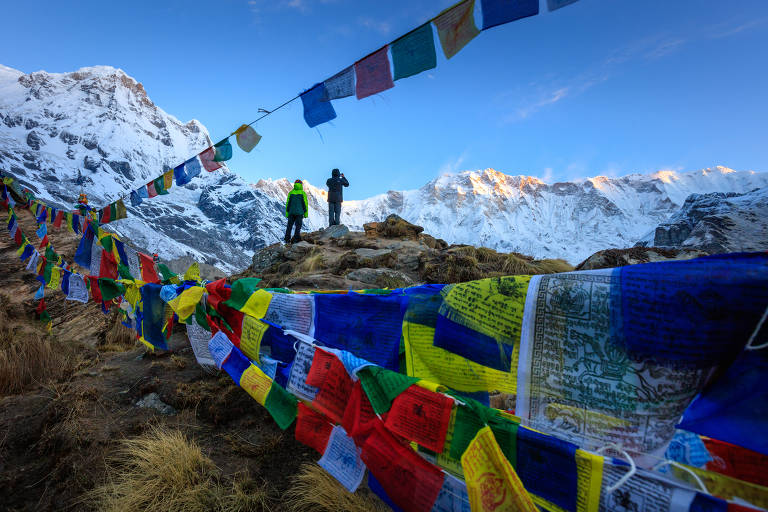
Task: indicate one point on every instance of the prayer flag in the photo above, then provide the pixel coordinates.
(105, 214)
(58, 219)
(151, 192)
(342, 461)
(373, 74)
(119, 211)
(66, 274)
(556, 4)
(193, 272)
(498, 12)
(220, 348)
(382, 386)
(547, 466)
(247, 138)
(55, 280)
(83, 253)
(192, 167)
(359, 417)
(248, 298)
(411, 482)
(27, 251)
(208, 158)
(108, 266)
(329, 376)
(44, 242)
(317, 111)
(340, 85)
(456, 27)
(255, 382)
(40, 293)
(93, 285)
(422, 416)
(110, 289)
(184, 304)
(312, 428)
(180, 175)
(152, 315)
(492, 483)
(414, 52)
(148, 273)
(136, 199)
(167, 179)
(42, 230)
(223, 150)
(160, 185)
(281, 405)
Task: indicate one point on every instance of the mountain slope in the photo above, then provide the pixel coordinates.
(569, 220)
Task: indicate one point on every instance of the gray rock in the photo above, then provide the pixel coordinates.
(298, 250)
(334, 232)
(152, 401)
(266, 257)
(90, 163)
(34, 140)
(372, 253)
(380, 277)
(408, 261)
(69, 138)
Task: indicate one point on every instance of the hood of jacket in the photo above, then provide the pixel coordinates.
(335, 173)
(298, 186)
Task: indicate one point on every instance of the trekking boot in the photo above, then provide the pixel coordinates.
(296, 239)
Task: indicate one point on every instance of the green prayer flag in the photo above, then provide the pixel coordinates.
(281, 405)
(505, 432)
(124, 272)
(45, 318)
(414, 52)
(382, 386)
(166, 274)
(47, 272)
(106, 242)
(245, 298)
(110, 289)
(223, 151)
(200, 316)
(160, 185)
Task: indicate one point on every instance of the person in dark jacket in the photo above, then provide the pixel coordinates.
(296, 209)
(335, 196)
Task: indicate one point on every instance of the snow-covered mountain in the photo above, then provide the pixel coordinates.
(569, 220)
(96, 130)
(717, 222)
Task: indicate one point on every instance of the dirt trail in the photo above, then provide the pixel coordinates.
(56, 436)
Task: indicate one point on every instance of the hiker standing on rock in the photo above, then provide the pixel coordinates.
(335, 196)
(296, 209)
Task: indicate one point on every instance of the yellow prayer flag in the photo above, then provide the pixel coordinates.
(726, 487)
(184, 304)
(250, 339)
(492, 483)
(55, 278)
(257, 304)
(21, 248)
(247, 138)
(256, 383)
(192, 273)
(168, 179)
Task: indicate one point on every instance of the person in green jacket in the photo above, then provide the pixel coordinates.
(296, 209)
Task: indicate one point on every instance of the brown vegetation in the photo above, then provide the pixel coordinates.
(314, 489)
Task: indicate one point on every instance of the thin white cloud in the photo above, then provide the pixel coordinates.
(453, 166)
(382, 27)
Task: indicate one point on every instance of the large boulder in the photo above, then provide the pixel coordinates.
(380, 277)
(393, 226)
(333, 232)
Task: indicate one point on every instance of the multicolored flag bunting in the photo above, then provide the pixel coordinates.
(498, 12)
(456, 27)
(317, 111)
(247, 138)
(373, 74)
(414, 52)
(340, 85)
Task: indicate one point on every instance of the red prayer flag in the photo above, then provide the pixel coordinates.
(359, 417)
(737, 462)
(218, 293)
(44, 242)
(95, 290)
(208, 158)
(40, 307)
(411, 482)
(148, 272)
(106, 215)
(422, 416)
(108, 265)
(312, 428)
(58, 219)
(151, 192)
(373, 74)
(329, 375)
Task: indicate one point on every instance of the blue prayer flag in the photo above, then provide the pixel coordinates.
(192, 167)
(136, 199)
(42, 230)
(83, 253)
(180, 175)
(556, 4)
(65, 281)
(547, 467)
(317, 111)
(153, 315)
(40, 293)
(498, 12)
(28, 250)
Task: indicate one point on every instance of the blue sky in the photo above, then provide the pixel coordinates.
(599, 87)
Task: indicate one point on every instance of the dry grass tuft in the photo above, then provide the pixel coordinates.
(515, 265)
(28, 355)
(486, 255)
(315, 490)
(163, 470)
(553, 266)
(118, 337)
(312, 263)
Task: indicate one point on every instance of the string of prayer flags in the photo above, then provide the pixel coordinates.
(373, 74)
(556, 4)
(340, 85)
(113, 212)
(312, 428)
(422, 416)
(737, 462)
(456, 27)
(498, 12)
(42, 312)
(414, 52)
(409, 481)
(247, 138)
(317, 111)
(492, 483)
(342, 460)
(208, 159)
